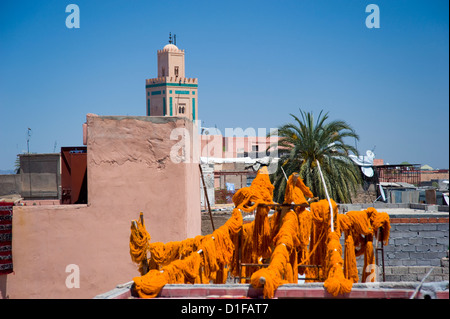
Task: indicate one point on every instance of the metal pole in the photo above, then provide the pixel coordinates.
(206, 196)
(285, 176)
(382, 255)
(328, 197)
(145, 267)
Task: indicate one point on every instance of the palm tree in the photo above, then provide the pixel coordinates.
(307, 141)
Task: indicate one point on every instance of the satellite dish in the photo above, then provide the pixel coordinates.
(368, 171)
(370, 154)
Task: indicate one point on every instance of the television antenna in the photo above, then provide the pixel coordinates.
(172, 40)
(28, 140)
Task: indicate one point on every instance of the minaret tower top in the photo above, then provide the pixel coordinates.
(171, 93)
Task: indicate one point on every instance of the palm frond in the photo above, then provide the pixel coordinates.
(309, 140)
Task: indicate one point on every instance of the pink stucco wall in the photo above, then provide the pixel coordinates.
(232, 146)
(129, 170)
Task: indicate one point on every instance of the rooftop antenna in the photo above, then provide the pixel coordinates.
(175, 39)
(28, 140)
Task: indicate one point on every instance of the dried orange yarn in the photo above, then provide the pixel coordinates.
(381, 220)
(261, 232)
(320, 214)
(217, 251)
(259, 192)
(183, 270)
(336, 283)
(179, 271)
(288, 238)
(296, 190)
(150, 284)
(224, 245)
(248, 199)
(139, 244)
(281, 266)
(369, 262)
(288, 234)
(163, 254)
(209, 261)
(274, 274)
(350, 268)
(248, 253)
(359, 228)
(328, 251)
(305, 227)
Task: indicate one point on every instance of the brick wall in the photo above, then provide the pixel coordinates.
(416, 273)
(417, 244)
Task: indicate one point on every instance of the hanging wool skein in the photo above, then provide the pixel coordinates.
(288, 238)
(139, 244)
(216, 252)
(250, 198)
(329, 253)
(260, 191)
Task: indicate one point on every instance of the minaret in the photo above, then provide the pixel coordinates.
(171, 93)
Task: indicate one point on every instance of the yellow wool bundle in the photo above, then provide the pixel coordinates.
(181, 262)
(261, 232)
(369, 263)
(149, 285)
(320, 213)
(190, 245)
(336, 283)
(248, 254)
(209, 261)
(221, 276)
(357, 225)
(234, 223)
(288, 238)
(139, 244)
(296, 190)
(283, 264)
(162, 254)
(222, 238)
(274, 274)
(224, 246)
(288, 233)
(177, 272)
(379, 220)
(183, 270)
(382, 220)
(259, 192)
(359, 228)
(271, 282)
(350, 268)
(304, 234)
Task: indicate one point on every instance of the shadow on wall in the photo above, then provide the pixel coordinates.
(3, 287)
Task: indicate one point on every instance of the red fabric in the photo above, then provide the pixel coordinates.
(6, 262)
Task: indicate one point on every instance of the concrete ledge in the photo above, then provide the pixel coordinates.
(153, 119)
(122, 291)
(382, 290)
(423, 208)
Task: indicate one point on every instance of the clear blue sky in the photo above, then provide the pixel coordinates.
(256, 61)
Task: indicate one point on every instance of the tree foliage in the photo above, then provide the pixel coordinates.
(305, 142)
